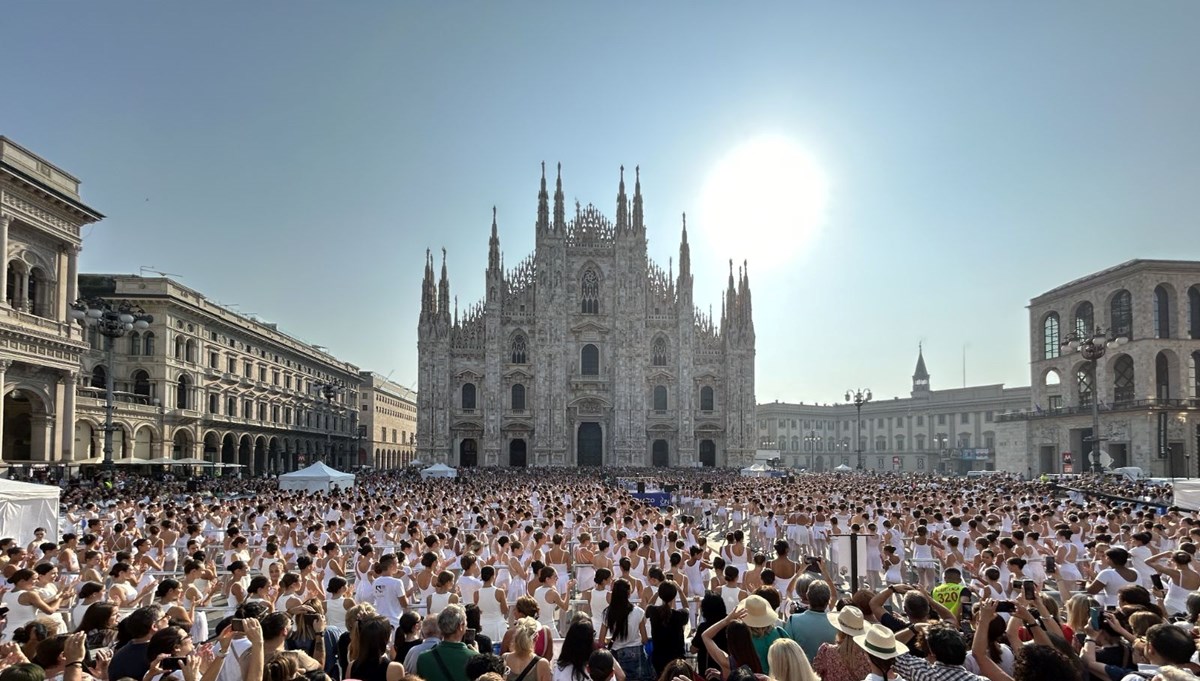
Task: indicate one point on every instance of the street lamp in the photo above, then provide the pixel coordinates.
(1093, 346)
(811, 441)
(859, 398)
(329, 390)
(112, 319)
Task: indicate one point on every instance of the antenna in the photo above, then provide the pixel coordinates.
(151, 268)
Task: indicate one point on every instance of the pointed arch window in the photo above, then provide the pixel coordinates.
(518, 397)
(660, 398)
(706, 398)
(1050, 340)
(658, 353)
(589, 292)
(1121, 310)
(589, 360)
(518, 349)
(1123, 387)
(468, 396)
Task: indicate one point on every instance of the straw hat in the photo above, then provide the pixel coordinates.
(848, 620)
(758, 612)
(881, 642)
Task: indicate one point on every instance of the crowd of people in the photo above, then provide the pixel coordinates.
(566, 575)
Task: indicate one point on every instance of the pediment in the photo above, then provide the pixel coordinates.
(705, 377)
(466, 424)
(589, 327)
(659, 374)
(468, 374)
(517, 373)
(661, 427)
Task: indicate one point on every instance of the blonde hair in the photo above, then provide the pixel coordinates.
(1079, 611)
(789, 663)
(353, 616)
(524, 630)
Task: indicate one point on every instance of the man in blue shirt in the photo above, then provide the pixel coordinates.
(811, 628)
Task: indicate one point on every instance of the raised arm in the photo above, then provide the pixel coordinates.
(979, 644)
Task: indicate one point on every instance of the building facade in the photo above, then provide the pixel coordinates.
(205, 382)
(946, 431)
(585, 354)
(1146, 391)
(41, 214)
(388, 420)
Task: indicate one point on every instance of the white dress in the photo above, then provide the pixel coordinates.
(547, 611)
(491, 619)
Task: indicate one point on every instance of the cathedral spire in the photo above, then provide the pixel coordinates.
(685, 255)
(428, 295)
(622, 208)
(560, 218)
(543, 216)
(638, 225)
(494, 247)
(444, 290)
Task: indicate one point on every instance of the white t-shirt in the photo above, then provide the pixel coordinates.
(1113, 582)
(388, 591)
(633, 635)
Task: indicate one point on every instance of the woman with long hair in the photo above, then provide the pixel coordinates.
(369, 645)
(739, 646)
(712, 610)
(788, 662)
(1181, 579)
(666, 627)
(549, 599)
(523, 663)
(625, 626)
(842, 660)
(168, 642)
(577, 646)
(168, 595)
(543, 643)
(99, 625)
(89, 594)
(677, 668)
(25, 604)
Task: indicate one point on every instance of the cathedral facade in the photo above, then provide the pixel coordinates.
(585, 354)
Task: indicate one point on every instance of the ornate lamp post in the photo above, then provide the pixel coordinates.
(858, 398)
(329, 390)
(112, 319)
(810, 442)
(1092, 347)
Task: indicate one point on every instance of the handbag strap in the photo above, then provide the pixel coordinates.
(441, 664)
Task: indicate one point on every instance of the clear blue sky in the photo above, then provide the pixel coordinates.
(297, 158)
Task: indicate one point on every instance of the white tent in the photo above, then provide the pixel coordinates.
(842, 469)
(25, 507)
(438, 470)
(316, 478)
(758, 470)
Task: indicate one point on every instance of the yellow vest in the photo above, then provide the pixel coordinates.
(949, 596)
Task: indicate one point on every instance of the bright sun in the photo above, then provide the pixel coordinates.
(764, 201)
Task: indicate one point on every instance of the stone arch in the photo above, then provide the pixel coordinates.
(1051, 336)
(1051, 377)
(660, 350)
(660, 453)
(245, 452)
(518, 453)
(212, 446)
(26, 413)
(1083, 318)
(144, 440)
(1163, 302)
(182, 444)
(229, 446)
(141, 383)
(1166, 375)
(99, 376)
(86, 446)
(41, 291)
(274, 455)
(518, 347)
(591, 288)
(708, 453)
(258, 464)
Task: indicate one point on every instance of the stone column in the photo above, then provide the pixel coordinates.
(4, 365)
(71, 253)
(4, 221)
(69, 415)
(58, 434)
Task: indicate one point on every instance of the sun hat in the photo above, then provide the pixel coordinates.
(848, 620)
(759, 612)
(881, 642)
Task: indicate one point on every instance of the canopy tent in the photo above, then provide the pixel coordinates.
(25, 507)
(843, 469)
(316, 478)
(438, 470)
(758, 470)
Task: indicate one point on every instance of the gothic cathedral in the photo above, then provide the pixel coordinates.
(585, 354)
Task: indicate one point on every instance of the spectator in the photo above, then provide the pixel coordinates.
(812, 628)
(371, 661)
(447, 660)
(430, 637)
(843, 660)
(130, 660)
(764, 628)
(948, 650)
(712, 610)
(788, 661)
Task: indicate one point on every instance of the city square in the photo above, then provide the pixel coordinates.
(404, 343)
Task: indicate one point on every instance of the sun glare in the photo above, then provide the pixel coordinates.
(764, 201)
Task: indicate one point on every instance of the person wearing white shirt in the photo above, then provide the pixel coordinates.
(390, 594)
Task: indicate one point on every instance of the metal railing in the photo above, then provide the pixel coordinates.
(1086, 409)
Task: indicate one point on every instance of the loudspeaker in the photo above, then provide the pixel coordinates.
(706, 488)
(641, 487)
(670, 489)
